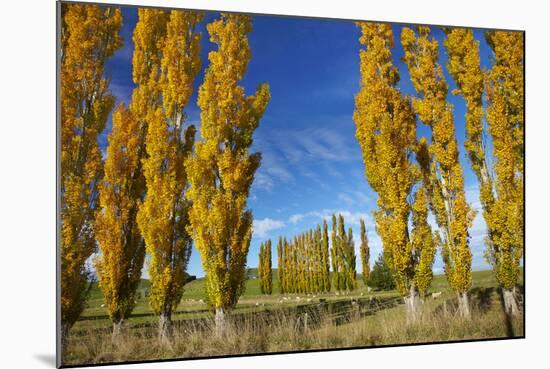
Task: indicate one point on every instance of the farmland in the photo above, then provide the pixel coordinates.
(278, 322)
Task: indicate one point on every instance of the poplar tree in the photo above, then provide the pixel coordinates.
(221, 170)
(365, 253)
(280, 265)
(89, 36)
(287, 266)
(163, 216)
(335, 256)
(424, 242)
(343, 256)
(318, 260)
(260, 267)
(119, 239)
(502, 183)
(293, 264)
(448, 199)
(268, 269)
(264, 268)
(386, 132)
(350, 262)
(325, 262)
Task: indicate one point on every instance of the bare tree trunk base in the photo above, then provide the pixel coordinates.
(220, 321)
(464, 305)
(65, 328)
(412, 303)
(510, 303)
(117, 328)
(165, 327)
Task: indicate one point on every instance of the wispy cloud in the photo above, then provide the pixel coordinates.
(286, 153)
(264, 226)
(322, 144)
(273, 168)
(350, 218)
(353, 198)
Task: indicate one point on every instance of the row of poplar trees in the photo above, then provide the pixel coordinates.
(413, 176)
(304, 265)
(158, 190)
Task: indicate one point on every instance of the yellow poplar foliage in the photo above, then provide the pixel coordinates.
(448, 199)
(505, 96)
(89, 36)
(264, 268)
(148, 38)
(365, 253)
(464, 65)
(163, 216)
(386, 132)
(423, 241)
(280, 265)
(122, 188)
(222, 169)
(501, 187)
(303, 267)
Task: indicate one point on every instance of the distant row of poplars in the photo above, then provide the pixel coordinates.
(304, 263)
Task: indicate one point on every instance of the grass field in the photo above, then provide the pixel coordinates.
(288, 323)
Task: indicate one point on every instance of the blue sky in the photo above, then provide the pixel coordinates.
(311, 164)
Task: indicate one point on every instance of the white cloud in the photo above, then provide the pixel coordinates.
(272, 167)
(296, 218)
(264, 226)
(319, 144)
(286, 153)
(350, 218)
(353, 198)
(345, 198)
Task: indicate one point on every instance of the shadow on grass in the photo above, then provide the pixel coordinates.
(483, 297)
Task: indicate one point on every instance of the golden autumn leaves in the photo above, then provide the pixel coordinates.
(385, 128)
(386, 132)
(151, 193)
(446, 184)
(221, 170)
(158, 191)
(163, 216)
(89, 37)
(501, 185)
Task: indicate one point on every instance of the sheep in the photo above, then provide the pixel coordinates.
(436, 295)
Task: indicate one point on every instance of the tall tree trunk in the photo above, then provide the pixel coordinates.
(510, 302)
(117, 326)
(464, 305)
(65, 328)
(220, 321)
(412, 305)
(165, 326)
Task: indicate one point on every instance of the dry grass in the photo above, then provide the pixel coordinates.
(286, 331)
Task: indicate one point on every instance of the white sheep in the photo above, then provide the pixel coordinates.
(436, 295)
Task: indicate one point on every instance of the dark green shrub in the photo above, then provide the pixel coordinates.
(381, 277)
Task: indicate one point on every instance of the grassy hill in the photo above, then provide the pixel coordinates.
(193, 303)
